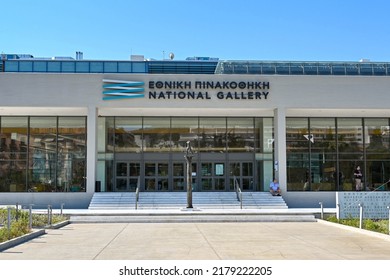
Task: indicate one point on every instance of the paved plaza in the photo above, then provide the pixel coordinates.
(204, 241)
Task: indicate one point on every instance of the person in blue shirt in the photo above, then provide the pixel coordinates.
(274, 188)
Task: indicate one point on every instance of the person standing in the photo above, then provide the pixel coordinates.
(358, 178)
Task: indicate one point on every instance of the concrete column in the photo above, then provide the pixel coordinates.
(91, 148)
(280, 147)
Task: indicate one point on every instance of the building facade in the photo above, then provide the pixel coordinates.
(70, 128)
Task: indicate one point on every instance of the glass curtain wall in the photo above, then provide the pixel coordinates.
(264, 147)
(322, 153)
(71, 154)
(13, 154)
(322, 145)
(42, 154)
(153, 147)
(183, 130)
(377, 133)
(350, 144)
(212, 135)
(298, 163)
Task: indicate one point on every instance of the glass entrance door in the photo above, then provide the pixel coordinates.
(127, 176)
(156, 176)
(243, 173)
(163, 175)
(212, 176)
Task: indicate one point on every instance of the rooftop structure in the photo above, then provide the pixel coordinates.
(192, 65)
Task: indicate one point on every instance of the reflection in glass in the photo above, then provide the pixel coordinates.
(350, 147)
(323, 149)
(135, 169)
(206, 169)
(121, 184)
(156, 135)
(212, 134)
(240, 134)
(234, 169)
(219, 184)
(150, 169)
(178, 169)
(128, 134)
(121, 169)
(162, 169)
(178, 184)
(335, 147)
(377, 152)
(264, 135)
(183, 130)
(13, 154)
(150, 184)
(207, 184)
(297, 143)
(55, 156)
(43, 153)
(247, 169)
(162, 184)
(71, 168)
(110, 132)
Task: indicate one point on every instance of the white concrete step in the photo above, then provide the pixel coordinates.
(207, 200)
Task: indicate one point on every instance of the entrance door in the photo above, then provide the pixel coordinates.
(243, 172)
(212, 176)
(170, 175)
(127, 176)
(156, 176)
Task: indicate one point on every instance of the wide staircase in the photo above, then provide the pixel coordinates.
(166, 207)
(177, 200)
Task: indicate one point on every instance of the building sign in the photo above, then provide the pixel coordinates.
(118, 89)
(187, 90)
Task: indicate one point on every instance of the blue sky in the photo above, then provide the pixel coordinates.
(335, 30)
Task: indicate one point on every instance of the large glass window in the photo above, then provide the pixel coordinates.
(156, 135)
(183, 130)
(13, 153)
(322, 153)
(350, 148)
(323, 150)
(212, 134)
(128, 134)
(43, 153)
(51, 149)
(297, 143)
(72, 137)
(142, 139)
(240, 135)
(377, 152)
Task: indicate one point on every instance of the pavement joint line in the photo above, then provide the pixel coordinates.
(208, 242)
(116, 235)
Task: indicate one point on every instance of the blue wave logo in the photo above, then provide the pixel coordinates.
(117, 89)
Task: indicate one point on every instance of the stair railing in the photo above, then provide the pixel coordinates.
(137, 194)
(238, 191)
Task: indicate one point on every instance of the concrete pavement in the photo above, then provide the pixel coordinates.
(204, 241)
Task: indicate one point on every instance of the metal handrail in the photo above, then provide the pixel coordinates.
(137, 193)
(238, 191)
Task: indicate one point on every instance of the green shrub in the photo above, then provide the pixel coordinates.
(381, 226)
(18, 228)
(20, 222)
